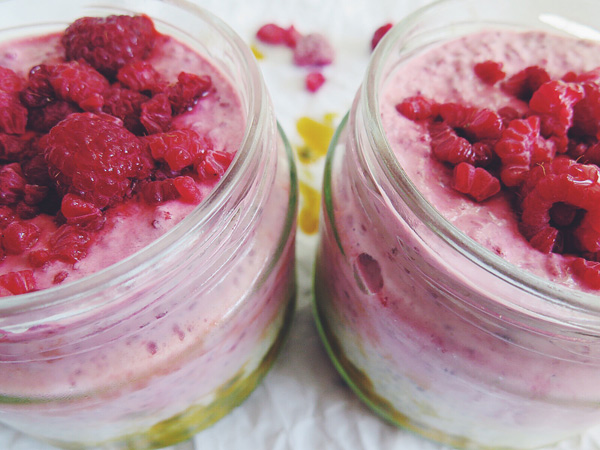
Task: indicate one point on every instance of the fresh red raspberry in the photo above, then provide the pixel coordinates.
(475, 124)
(126, 105)
(554, 102)
(80, 83)
(16, 283)
(7, 216)
(417, 108)
(490, 72)
(156, 115)
(379, 33)
(17, 147)
(19, 236)
(140, 76)
(10, 81)
(586, 113)
(587, 271)
(178, 148)
(474, 181)
(524, 83)
(94, 156)
(81, 213)
(13, 115)
(43, 119)
(314, 81)
(108, 43)
(214, 165)
(447, 146)
(35, 170)
(313, 50)
(188, 190)
(34, 194)
(159, 191)
(508, 114)
(189, 88)
(69, 243)
(12, 184)
(520, 147)
(567, 182)
(38, 92)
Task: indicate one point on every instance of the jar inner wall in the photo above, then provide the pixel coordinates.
(198, 315)
(434, 331)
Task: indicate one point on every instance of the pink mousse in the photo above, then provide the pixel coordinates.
(133, 224)
(447, 75)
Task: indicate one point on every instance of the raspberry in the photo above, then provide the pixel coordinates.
(108, 43)
(490, 72)
(475, 124)
(313, 50)
(19, 236)
(189, 88)
(519, 148)
(586, 113)
(156, 114)
(80, 83)
(159, 191)
(554, 102)
(379, 33)
(178, 148)
(417, 108)
(16, 147)
(523, 84)
(12, 184)
(188, 190)
(126, 105)
(81, 213)
(43, 119)
(68, 243)
(547, 240)
(271, 33)
(140, 76)
(95, 157)
(314, 81)
(13, 115)
(275, 35)
(507, 114)
(10, 81)
(475, 182)
(7, 216)
(447, 146)
(214, 165)
(562, 181)
(17, 283)
(39, 92)
(587, 271)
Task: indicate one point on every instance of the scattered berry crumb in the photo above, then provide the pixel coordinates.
(379, 33)
(314, 81)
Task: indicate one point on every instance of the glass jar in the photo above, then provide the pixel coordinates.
(432, 330)
(162, 344)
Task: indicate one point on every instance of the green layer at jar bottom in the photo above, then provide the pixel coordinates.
(183, 426)
(363, 387)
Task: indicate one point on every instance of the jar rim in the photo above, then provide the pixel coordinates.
(555, 293)
(256, 121)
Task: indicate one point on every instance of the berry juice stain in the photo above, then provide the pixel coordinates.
(308, 217)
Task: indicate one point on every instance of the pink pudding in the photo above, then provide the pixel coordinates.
(166, 303)
(437, 310)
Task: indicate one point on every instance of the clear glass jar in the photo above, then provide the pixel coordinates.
(432, 330)
(148, 351)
